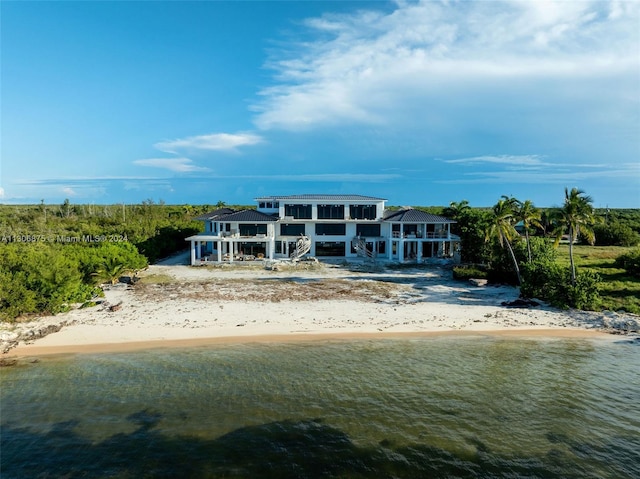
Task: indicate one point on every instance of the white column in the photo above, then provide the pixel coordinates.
(272, 247)
(193, 252)
(401, 251)
(219, 244)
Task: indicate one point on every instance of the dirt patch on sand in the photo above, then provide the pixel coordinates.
(276, 290)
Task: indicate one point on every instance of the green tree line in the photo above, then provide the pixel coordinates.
(514, 242)
(54, 256)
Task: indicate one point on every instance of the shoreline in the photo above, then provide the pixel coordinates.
(36, 351)
(180, 306)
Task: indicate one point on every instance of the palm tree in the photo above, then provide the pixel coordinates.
(112, 269)
(529, 215)
(454, 210)
(576, 217)
(502, 229)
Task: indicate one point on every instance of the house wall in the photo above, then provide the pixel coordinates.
(401, 247)
(309, 224)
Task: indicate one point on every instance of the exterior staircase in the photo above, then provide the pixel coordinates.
(360, 245)
(303, 246)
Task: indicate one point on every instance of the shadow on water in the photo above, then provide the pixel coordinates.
(284, 449)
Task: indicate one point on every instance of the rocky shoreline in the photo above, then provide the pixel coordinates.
(10, 340)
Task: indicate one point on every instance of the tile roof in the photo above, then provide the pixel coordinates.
(213, 214)
(250, 216)
(321, 198)
(410, 215)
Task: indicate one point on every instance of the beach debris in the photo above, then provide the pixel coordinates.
(115, 307)
(478, 281)
(520, 303)
(7, 362)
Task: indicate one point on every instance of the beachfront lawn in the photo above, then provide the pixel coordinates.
(618, 290)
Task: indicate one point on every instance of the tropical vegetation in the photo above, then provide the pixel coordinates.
(55, 256)
(576, 217)
(536, 248)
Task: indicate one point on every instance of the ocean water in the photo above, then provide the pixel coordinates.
(429, 407)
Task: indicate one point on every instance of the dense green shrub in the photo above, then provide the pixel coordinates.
(166, 241)
(551, 282)
(39, 277)
(616, 234)
(501, 265)
(501, 269)
(467, 272)
(53, 255)
(585, 294)
(471, 225)
(97, 258)
(542, 280)
(47, 277)
(16, 299)
(630, 262)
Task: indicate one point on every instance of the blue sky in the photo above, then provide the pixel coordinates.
(422, 103)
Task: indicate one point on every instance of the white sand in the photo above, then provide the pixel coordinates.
(247, 302)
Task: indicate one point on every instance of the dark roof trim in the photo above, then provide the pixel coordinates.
(320, 198)
(410, 215)
(250, 216)
(214, 214)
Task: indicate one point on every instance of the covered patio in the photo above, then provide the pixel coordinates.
(227, 247)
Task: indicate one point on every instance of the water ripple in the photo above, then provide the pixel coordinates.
(473, 407)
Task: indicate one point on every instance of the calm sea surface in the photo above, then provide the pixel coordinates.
(436, 407)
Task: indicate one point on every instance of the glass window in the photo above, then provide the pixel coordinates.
(252, 230)
(367, 230)
(291, 230)
(362, 212)
(330, 212)
(298, 211)
(253, 248)
(330, 248)
(337, 229)
(409, 229)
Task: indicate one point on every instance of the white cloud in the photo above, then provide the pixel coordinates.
(211, 142)
(526, 163)
(76, 180)
(1, 192)
(520, 160)
(575, 173)
(180, 165)
(69, 191)
(371, 66)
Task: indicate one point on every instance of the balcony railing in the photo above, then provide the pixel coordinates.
(235, 234)
(419, 235)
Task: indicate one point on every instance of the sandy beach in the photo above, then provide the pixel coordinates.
(177, 305)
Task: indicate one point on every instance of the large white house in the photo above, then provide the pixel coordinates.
(323, 226)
